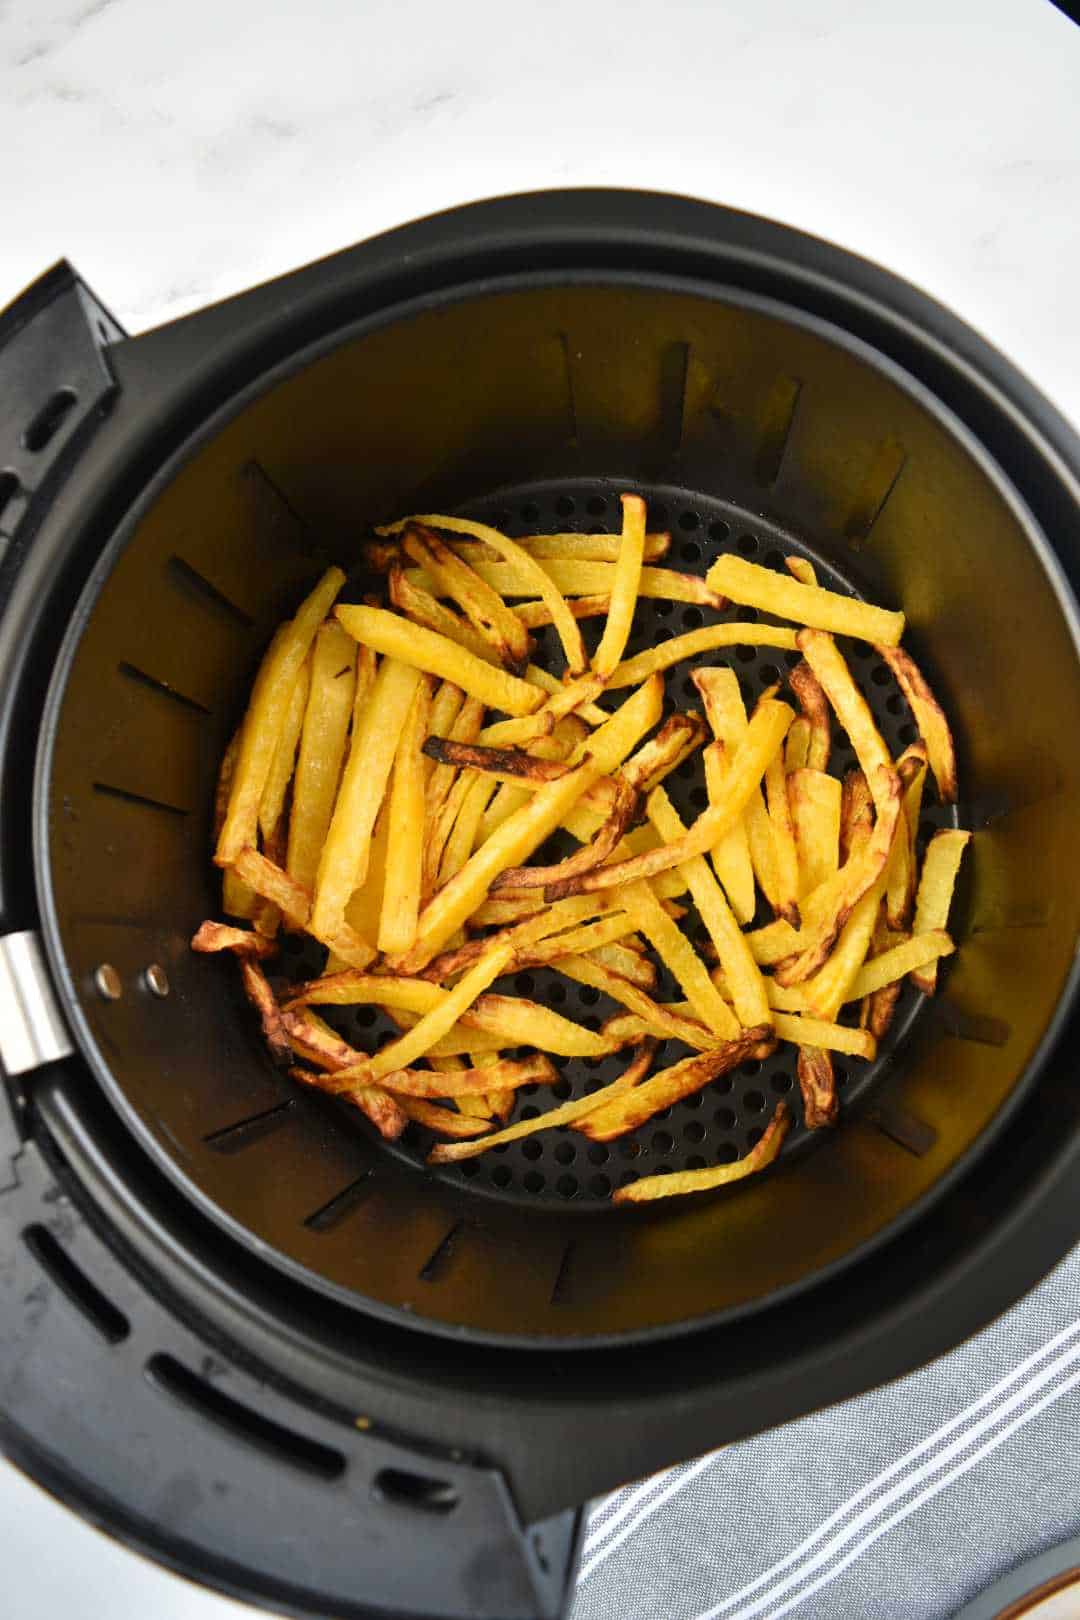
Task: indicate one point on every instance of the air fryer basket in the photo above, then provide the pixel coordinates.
(534, 399)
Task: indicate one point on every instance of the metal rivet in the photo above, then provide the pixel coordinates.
(108, 982)
(157, 980)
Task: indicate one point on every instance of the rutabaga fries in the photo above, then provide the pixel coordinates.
(804, 1030)
(535, 579)
(506, 1074)
(567, 1113)
(731, 852)
(758, 587)
(624, 587)
(214, 936)
(443, 1120)
(534, 615)
(424, 609)
(783, 830)
(657, 1020)
(851, 709)
(258, 991)
(815, 711)
(505, 764)
(463, 835)
(573, 578)
(434, 654)
(797, 744)
(405, 830)
(274, 884)
(763, 737)
(743, 976)
(272, 802)
(620, 958)
(760, 1156)
(575, 696)
(566, 547)
(603, 845)
(267, 711)
(929, 717)
(484, 608)
(941, 864)
(817, 1083)
(676, 951)
(633, 1108)
(815, 812)
(802, 569)
(332, 689)
(902, 877)
(377, 725)
(909, 956)
(710, 638)
(384, 1112)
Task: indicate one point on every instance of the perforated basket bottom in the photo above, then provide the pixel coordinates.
(722, 1121)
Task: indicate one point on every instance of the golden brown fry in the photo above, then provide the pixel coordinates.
(215, 936)
(902, 878)
(574, 696)
(815, 800)
(624, 811)
(658, 1019)
(852, 711)
(744, 979)
(332, 688)
(534, 615)
(627, 1112)
(581, 547)
(274, 884)
(618, 955)
(443, 1120)
(505, 1075)
(731, 854)
(381, 1109)
(504, 763)
(856, 813)
(567, 1113)
(424, 609)
(762, 588)
(762, 739)
(259, 993)
(378, 719)
(624, 587)
(784, 850)
(817, 1082)
(760, 1156)
(266, 714)
(678, 737)
(574, 578)
(830, 986)
(802, 569)
(815, 711)
(803, 1030)
(937, 880)
(929, 717)
(483, 607)
(907, 956)
(462, 840)
(405, 831)
(272, 802)
(672, 945)
(426, 650)
(695, 642)
(797, 745)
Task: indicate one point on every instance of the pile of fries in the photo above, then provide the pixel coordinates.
(370, 801)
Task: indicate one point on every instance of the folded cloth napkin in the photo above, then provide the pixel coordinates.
(899, 1505)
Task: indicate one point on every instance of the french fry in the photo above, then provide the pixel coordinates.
(910, 956)
(619, 957)
(817, 1082)
(528, 827)
(579, 547)
(761, 588)
(784, 850)
(506, 1075)
(671, 945)
(937, 880)
(332, 688)
(624, 587)
(856, 813)
(762, 739)
(731, 854)
(657, 1019)
(462, 839)
(537, 580)
(902, 879)
(851, 709)
(815, 711)
(680, 1182)
(815, 798)
(259, 993)
(633, 1108)
(574, 696)
(274, 884)
(405, 829)
(505, 764)
(929, 717)
(500, 1102)
(266, 715)
(797, 745)
(215, 936)
(574, 578)
(709, 638)
(434, 654)
(443, 1120)
(741, 971)
(598, 850)
(377, 724)
(804, 1030)
(446, 705)
(279, 776)
(567, 1113)
(424, 609)
(534, 615)
(802, 569)
(485, 609)
(829, 987)
(381, 1109)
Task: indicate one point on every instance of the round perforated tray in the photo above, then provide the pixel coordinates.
(721, 1122)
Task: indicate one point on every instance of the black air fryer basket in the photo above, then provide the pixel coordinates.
(236, 1329)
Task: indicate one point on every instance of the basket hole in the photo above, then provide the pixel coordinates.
(699, 798)
(780, 1081)
(565, 1153)
(662, 1142)
(530, 1113)
(754, 1100)
(589, 995)
(718, 531)
(50, 419)
(690, 551)
(775, 559)
(689, 520)
(725, 1119)
(529, 511)
(753, 1137)
(502, 1175)
(364, 1017)
(565, 505)
(567, 1186)
(658, 514)
(895, 704)
(629, 1148)
(532, 1149)
(663, 608)
(726, 1153)
(692, 618)
(750, 1068)
(596, 505)
(421, 1491)
(862, 650)
(695, 1131)
(908, 733)
(769, 675)
(722, 1084)
(745, 654)
(598, 1153)
(695, 1162)
(879, 675)
(533, 1181)
(693, 1101)
(556, 993)
(524, 984)
(561, 1089)
(748, 544)
(599, 1186)
(792, 659)
(627, 1177)
(469, 1169)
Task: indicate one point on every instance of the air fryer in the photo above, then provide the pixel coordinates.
(239, 1330)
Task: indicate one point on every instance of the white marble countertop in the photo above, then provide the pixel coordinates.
(178, 153)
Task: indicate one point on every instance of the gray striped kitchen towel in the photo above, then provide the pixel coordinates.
(901, 1504)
